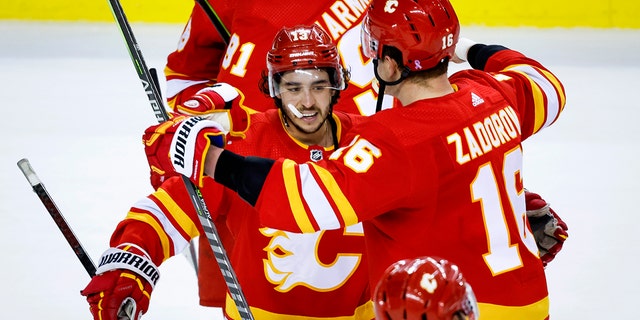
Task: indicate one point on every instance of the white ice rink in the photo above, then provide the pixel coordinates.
(73, 105)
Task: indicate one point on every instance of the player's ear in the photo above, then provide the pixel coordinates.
(392, 64)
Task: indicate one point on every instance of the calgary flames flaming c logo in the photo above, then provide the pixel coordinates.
(293, 260)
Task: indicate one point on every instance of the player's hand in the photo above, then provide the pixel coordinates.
(122, 287)
(220, 103)
(548, 229)
(219, 96)
(179, 146)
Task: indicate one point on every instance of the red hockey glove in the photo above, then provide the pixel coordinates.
(179, 146)
(122, 286)
(220, 103)
(219, 96)
(548, 229)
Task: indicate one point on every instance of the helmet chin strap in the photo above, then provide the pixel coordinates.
(383, 84)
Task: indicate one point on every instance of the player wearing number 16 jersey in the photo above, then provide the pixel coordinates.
(440, 176)
(202, 58)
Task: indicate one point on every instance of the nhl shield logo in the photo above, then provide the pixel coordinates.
(316, 155)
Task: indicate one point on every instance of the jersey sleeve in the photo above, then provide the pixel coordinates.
(335, 193)
(534, 91)
(164, 222)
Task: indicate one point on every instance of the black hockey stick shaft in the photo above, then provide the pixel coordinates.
(57, 216)
(192, 251)
(139, 64)
(156, 81)
(196, 197)
(126, 311)
(215, 19)
(225, 35)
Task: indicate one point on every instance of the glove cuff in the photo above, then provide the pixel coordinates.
(114, 258)
(189, 148)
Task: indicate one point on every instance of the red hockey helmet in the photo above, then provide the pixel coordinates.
(424, 288)
(303, 47)
(425, 31)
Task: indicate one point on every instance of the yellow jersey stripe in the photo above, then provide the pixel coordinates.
(558, 86)
(549, 90)
(179, 242)
(552, 90)
(347, 212)
(365, 311)
(314, 196)
(538, 101)
(181, 217)
(535, 311)
(295, 201)
(164, 238)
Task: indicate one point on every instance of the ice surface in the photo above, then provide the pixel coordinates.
(73, 105)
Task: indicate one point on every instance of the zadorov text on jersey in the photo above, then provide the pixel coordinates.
(481, 137)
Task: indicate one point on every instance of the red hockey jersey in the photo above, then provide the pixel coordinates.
(202, 58)
(283, 275)
(439, 177)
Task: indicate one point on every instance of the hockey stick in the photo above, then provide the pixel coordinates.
(192, 251)
(126, 311)
(196, 197)
(215, 19)
(68, 234)
(225, 35)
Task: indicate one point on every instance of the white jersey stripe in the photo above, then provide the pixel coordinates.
(550, 92)
(179, 243)
(313, 195)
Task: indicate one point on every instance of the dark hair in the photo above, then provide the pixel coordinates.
(263, 84)
(416, 76)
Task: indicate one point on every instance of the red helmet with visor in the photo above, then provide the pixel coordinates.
(303, 47)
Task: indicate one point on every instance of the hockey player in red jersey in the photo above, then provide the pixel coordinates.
(424, 288)
(441, 176)
(284, 275)
(202, 57)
